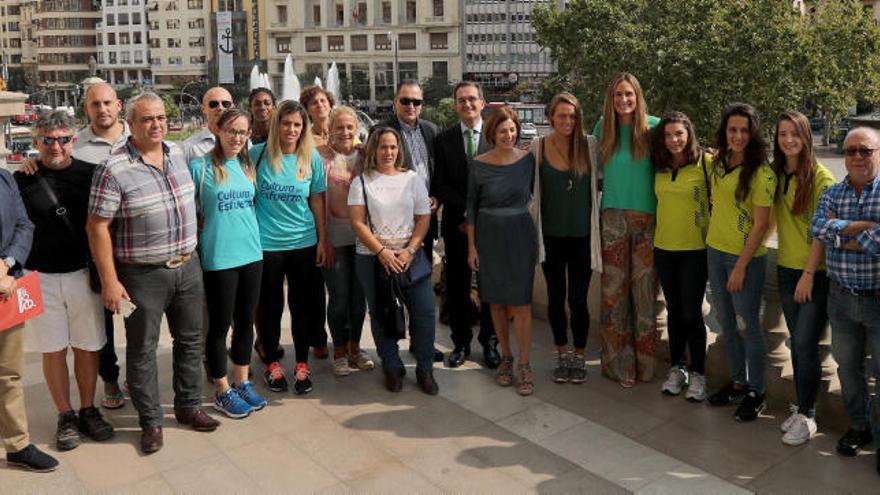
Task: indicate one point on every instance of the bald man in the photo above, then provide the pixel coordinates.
(214, 103)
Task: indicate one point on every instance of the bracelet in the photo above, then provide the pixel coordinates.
(380, 251)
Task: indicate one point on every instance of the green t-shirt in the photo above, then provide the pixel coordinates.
(794, 231)
(628, 183)
(732, 219)
(682, 206)
(565, 202)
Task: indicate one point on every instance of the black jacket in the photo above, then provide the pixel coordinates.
(451, 175)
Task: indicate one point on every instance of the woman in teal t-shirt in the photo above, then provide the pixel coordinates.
(629, 284)
(290, 209)
(231, 255)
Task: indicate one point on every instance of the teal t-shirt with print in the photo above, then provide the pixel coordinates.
(286, 221)
(229, 236)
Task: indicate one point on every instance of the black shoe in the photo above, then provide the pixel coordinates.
(438, 355)
(33, 459)
(275, 379)
(67, 436)
(727, 395)
(393, 379)
(93, 425)
(427, 383)
(491, 358)
(852, 441)
(458, 356)
(752, 405)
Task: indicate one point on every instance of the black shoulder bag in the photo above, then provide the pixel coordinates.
(61, 212)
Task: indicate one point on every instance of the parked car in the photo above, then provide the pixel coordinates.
(528, 131)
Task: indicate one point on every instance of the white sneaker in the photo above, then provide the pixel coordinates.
(340, 366)
(802, 430)
(676, 382)
(786, 425)
(696, 387)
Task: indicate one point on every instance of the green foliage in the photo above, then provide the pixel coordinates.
(443, 113)
(696, 56)
(172, 111)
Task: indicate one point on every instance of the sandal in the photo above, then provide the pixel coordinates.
(524, 385)
(504, 375)
(627, 383)
(114, 400)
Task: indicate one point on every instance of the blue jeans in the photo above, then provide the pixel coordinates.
(420, 303)
(346, 306)
(739, 314)
(855, 331)
(805, 325)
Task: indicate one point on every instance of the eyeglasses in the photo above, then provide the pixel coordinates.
(862, 152)
(467, 99)
(216, 103)
(50, 140)
(236, 133)
(410, 101)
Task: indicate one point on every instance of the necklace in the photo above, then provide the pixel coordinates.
(570, 186)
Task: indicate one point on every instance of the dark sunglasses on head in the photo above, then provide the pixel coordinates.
(216, 103)
(50, 140)
(863, 152)
(414, 101)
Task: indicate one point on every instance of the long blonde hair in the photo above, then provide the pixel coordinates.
(578, 152)
(641, 134)
(305, 145)
(218, 155)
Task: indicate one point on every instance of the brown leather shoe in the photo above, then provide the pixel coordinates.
(151, 439)
(197, 418)
(393, 380)
(427, 383)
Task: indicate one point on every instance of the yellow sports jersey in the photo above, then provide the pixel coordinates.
(682, 206)
(794, 230)
(732, 219)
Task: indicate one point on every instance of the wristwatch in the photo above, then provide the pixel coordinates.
(412, 251)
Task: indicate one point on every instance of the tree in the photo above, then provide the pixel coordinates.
(443, 113)
(698, 55)
(172, 111)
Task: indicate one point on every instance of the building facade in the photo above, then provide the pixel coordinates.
(123, 50)
(178, 44)
(248, 38)
(367, 39)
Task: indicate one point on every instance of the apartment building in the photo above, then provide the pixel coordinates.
(66, 46)
(178, 44)
(123, 50)
(367, 39)
(17, 41)
(249, 37)
(500, 44)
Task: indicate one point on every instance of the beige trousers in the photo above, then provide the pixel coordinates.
(13, 419)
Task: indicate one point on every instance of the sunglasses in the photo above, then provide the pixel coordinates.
(862, 152)
(215, 103)
(414, 101)
(50, 140)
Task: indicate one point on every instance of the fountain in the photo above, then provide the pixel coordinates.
(317, 82)
(290, 88)
(333, 82)
(256, 77)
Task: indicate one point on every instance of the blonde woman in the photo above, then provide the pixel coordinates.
(629, 284)
(290, 209)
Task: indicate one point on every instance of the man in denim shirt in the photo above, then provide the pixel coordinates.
(847, 221)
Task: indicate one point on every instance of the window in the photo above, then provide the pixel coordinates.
(360, 13)
(382, 42)
(175, 61)
(123, 38)
(197, 24)
(360, 81)
(410, 10)
(111, 38)
(335, 43)
(313, 44)
(316, 15)
(314, 70)
(123, 18)
(340, 14)
(359, 42)
(125, 58)
(282, 45)
(439, 41)
(171, 6)
(155, 61)
(384, 80)
(137, 38)
(172, 23)
(154, 42)
(438, 8)
(386, 12)
(101, 58)
(406, 41)
(282, 14)
(408, 70)
(135, 18)
(111, 59)
(440, 70)
(138, 56)
(195, 4)
(111, 20)
(197, 59)
(196, 41)
(173, 43)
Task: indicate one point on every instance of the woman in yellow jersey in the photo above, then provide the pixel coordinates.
(681, 185)
(803, 284)
(629, 285)
(743, 188)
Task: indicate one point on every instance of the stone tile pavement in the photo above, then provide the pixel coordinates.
(351, 436)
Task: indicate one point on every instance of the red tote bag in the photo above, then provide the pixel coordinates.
(25, 303)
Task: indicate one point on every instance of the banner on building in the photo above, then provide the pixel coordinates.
(224, 48)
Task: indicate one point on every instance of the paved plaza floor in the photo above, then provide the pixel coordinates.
(352, 436)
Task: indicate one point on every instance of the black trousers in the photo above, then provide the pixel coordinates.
(458, 294)
(305, 299)
(232, 297)
(108, 367)
(683, 277)
(567, 272)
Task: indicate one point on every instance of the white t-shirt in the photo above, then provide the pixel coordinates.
(393, 201)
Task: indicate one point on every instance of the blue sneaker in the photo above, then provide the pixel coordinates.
(232, 405)
(247, 392)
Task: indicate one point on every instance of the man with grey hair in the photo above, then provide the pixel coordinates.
(56, 199)
(142, 230)
(216, 101)
(847, 221)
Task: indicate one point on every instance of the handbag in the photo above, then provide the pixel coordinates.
(61, 212)
(25, 303)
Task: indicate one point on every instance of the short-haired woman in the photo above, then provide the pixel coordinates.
(318, 102)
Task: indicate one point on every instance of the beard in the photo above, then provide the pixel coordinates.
(56, 163)
(101, 123)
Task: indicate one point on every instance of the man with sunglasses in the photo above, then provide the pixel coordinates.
(847, 221)
(56, 199)
(216, 101)
(418, 151)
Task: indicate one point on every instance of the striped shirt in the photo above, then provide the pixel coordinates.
(153, 211)
(850, 269)
(198, 144)
(93, 149)
(418, 151)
